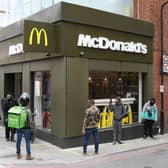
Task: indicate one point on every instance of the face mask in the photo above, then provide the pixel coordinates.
(9, 99)
(151, 103)
(118, 102)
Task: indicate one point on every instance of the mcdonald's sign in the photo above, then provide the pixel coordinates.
(39, 37)
(38, 34)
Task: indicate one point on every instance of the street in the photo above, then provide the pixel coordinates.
(149, 157)
(134, 153)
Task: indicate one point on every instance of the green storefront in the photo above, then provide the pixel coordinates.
(66, 54)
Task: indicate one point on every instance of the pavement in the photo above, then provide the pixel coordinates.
(46, 154)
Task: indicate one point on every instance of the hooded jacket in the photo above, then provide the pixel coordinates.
(149, 112)
(119, 111)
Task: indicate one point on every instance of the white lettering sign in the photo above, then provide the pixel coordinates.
(16, 49)
(105, 43)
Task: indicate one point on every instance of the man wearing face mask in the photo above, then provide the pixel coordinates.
(149, 117)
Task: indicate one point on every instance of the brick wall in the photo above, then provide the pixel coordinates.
(149, 10)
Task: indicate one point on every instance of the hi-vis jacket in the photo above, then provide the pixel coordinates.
(149, 112)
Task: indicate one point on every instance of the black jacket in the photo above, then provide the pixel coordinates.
(119, 111)
(6, 105)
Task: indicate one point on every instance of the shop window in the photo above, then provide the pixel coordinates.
(106, 85)
(42, 99)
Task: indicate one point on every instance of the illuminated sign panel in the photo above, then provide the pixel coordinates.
(39, 37)
(38, 34)
(114, 45)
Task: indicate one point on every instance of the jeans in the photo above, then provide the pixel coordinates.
(20, 133)
(88, 132)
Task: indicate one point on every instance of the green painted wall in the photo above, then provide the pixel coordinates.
(58, 95)
(69, 95)
(26, 77)
(76, 94)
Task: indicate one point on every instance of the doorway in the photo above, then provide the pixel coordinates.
(41, 96)
(13, 84)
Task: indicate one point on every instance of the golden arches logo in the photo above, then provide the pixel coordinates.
(38, 35)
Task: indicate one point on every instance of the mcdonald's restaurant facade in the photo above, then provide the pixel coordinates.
(66, 54)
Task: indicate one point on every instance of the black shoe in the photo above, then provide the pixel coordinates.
(13, 140)
(7, 139)
(152, 137)
(120, 142)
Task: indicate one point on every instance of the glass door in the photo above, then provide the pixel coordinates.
(42, 99)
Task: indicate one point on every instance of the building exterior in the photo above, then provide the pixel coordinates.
(151, 11)
(62, 59)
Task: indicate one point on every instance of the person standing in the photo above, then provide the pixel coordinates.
(119, 113)
(149, 117)
(24, 102)
(6, 104)
(90, 126)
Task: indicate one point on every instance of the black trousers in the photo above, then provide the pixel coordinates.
(9, 132)
(148, 128)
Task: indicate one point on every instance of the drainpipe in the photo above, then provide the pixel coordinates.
(161, 70)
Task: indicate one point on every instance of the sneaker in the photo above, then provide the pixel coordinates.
(13, 140)
(96, 152)
(120, 142)
(84, 153)
(114, 142)
(145, 136)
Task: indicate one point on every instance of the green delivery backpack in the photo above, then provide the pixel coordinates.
(17, 117)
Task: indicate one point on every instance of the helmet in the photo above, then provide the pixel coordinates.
(25, 95)
(24, 99)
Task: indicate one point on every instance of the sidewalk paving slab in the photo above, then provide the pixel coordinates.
(48, 154)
